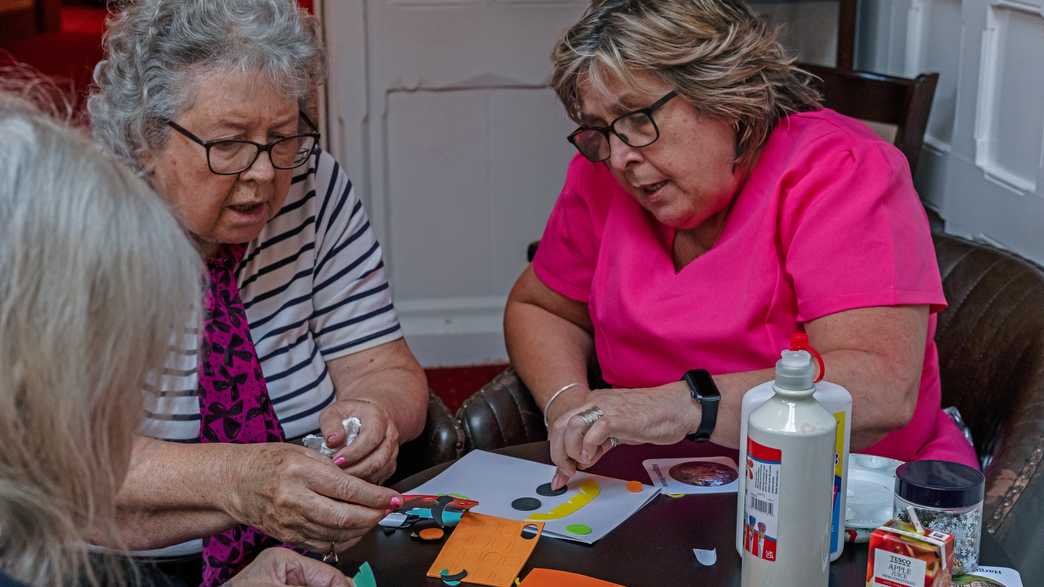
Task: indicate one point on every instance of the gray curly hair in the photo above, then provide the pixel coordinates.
(154, 50)
(717, 54)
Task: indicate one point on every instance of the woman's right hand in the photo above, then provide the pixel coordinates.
(298, 496)
(283, 567)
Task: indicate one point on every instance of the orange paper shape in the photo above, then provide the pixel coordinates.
(492, 550)
(553, 578)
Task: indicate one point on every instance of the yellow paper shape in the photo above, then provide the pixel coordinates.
(588, 490)
(492, 550)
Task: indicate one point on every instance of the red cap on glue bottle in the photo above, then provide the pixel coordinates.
(799, 342)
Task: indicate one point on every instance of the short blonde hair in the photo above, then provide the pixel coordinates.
(96, 275)
(717, 54)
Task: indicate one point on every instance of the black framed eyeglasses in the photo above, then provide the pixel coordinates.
(636, 129)
(234, 156)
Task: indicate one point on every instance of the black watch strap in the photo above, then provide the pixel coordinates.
(703, 390)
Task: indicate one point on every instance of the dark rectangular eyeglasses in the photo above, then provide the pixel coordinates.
(636, 129)
(234, 156)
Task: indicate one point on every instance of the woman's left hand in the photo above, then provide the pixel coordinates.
(371, 456)
(580, 437)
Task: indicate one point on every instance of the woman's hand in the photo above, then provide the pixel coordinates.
(372, 454)
(567, 401)
(282, 567)
(298, 496)
(660, 415)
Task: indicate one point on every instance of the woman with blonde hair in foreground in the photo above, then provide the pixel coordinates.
(95, 270)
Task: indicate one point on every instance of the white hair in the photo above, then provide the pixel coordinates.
(96, 275)
(156, 51)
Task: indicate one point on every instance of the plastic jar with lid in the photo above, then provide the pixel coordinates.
(946, 497)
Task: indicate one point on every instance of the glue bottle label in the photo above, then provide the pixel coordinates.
(761, 511)
(836, 518)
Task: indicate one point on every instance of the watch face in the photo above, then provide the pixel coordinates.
(704, 383)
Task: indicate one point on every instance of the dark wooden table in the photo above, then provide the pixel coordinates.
(652, 548)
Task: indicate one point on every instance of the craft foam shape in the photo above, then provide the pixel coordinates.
(492, 550)
(587, 492)
(365, 577)
(555, 578)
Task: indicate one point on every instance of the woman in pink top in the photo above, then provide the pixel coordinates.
(713, 210)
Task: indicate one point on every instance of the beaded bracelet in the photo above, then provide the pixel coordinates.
(554, 396)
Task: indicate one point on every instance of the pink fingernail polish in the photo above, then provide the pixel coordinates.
(341, 462)
(396, 502)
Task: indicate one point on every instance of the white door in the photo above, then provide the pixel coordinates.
(441, 111)
(981, 168)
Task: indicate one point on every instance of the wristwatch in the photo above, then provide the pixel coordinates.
(703, 390)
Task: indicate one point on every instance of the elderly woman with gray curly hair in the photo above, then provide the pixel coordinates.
(713, 209)
(207, 100)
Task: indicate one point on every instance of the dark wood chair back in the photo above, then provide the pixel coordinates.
(903, 102)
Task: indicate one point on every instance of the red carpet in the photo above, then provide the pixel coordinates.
(69, 56)
(456, 384)
(83, 19)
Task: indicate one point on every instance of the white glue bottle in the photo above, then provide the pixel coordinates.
(834, 399)
(789, 488)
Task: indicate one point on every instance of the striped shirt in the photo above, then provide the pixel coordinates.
(314, 289)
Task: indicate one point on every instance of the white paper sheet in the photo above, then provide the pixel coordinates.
(496, 480)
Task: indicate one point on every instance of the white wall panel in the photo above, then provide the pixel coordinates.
(438, 193)
(1011, 109)
(809, 29)
(462, 153)
(982, 165)
(528, 155)
(939, 41)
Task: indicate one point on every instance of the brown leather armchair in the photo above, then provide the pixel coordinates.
(442, 440)
(991, 356)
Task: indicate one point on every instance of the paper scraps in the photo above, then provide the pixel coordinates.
(352, 427)
(490, 550)
(706, 558)
(364, 577)
(555, 578)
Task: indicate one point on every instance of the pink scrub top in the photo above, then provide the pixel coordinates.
(827, 221)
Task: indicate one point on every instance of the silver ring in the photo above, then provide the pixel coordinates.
(331, 557)
(591, 415)
(613, 442)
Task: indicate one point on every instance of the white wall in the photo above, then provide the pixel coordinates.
(441, 112)
(981, 168)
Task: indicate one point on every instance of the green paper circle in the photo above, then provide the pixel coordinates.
(581, 529)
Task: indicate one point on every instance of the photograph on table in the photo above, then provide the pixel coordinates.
(693, 475)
